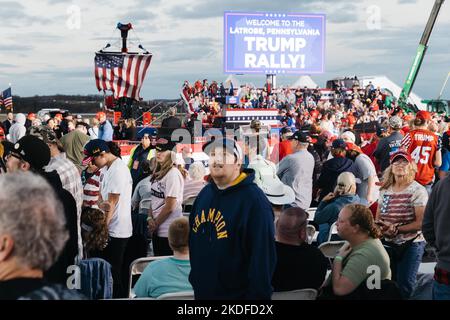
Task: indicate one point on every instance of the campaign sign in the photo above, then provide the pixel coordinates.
(232, 100)
(274, 43)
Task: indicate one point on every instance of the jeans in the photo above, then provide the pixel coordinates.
(441, 291)
(407, 268)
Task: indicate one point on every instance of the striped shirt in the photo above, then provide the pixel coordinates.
(398, 208)
(91, 190)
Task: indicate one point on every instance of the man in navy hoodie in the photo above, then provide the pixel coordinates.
(231, 241)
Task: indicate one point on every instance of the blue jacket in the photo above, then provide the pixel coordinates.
(231, 242)
(96, 279)
(327, 213)
(106, 131)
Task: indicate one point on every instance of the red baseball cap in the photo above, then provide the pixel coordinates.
(401, 154)
(100, 114)
(353, 147)
(424, 115)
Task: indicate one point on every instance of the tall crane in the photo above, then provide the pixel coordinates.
(421, 50)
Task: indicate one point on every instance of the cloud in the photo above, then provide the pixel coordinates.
(193, 50)
(210, 9)
(15, 47)
(13, 14)
(7, 65)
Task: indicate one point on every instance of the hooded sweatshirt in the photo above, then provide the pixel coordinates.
(232, 242)
(18, 129)
(330, 171)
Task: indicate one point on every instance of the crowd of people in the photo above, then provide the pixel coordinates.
(375, 172)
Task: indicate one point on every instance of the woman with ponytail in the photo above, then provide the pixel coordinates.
(362, 256)
(328, 210)
(167, 184)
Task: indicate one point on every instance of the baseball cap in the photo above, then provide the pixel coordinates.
(301, 137)
(228, 144)
(93, 149)
(353, 147)
(339, 143)
(32, 150)
(286, 130)
(348, 136)
(44, 133)
(164, 145)
(395, 122)
(100, 114)
(380, 131)
(400, 154)
(424, 115)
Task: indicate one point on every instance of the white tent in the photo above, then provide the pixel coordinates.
(231, 78)
(385, 82)
(304, 81)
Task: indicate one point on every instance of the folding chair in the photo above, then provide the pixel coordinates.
(333, 230)
(187, 204)
(311, 213)
(300, 294)
(331, 248)
(310, 232)
(184, 295)
(137, 268)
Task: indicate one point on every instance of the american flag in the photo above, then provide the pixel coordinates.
(6, 98)
(123, 74)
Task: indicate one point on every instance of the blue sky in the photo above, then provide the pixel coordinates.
(40, 54)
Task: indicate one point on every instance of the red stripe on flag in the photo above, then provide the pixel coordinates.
(144, 72)
(97, 79)
(104, 78)
(136, 77)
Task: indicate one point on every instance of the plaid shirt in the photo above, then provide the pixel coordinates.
(71, 181)
(441, 276)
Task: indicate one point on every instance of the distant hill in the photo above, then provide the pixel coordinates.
(77, 103)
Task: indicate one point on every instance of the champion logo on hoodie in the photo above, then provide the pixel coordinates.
(213, 217)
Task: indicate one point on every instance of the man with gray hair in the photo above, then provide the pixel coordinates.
(296, 170)
(32, 236)
(171, 121)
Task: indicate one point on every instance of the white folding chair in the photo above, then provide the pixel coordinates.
(137, 268)
(310, 232)
(188, 202)
(311, 213)
(300, 294)
(184, 295)
(331, 248)
(333, 230)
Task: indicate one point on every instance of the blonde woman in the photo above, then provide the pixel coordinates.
(400, 213)
(167, 184)
(328, 210)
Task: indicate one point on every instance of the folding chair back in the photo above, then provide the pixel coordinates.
(300, 294)
(137, 268)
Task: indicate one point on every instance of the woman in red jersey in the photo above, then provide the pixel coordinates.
(424, 147)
